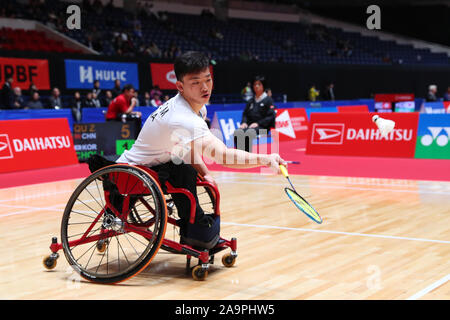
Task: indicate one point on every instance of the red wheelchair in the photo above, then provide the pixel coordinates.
(115, 222)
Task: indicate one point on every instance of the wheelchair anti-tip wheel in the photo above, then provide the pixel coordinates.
(114, 224)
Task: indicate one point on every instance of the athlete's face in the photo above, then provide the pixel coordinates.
(196, 87)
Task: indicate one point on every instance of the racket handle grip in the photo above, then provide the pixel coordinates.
(284, 170)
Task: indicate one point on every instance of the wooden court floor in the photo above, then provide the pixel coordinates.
(380, 239)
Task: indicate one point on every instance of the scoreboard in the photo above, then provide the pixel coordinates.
(109, 138)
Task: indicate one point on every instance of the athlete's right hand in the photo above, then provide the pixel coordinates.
(274, 160)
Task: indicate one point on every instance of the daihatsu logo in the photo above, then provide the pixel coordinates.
(327, 133)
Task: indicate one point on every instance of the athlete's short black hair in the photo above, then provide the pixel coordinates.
(190, 62)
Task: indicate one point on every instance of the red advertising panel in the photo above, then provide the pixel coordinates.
(357, 108)
(394, 97)
(447, 106)
(354, 134)
(163, 75)
(25, 71)
(35, 144)
(292, 124)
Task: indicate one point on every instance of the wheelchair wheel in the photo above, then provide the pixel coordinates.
(114, 224)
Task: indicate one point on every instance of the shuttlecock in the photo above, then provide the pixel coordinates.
(384, 125)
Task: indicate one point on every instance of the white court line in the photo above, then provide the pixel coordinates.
(336, 232)
(430, 288)
(332, 187)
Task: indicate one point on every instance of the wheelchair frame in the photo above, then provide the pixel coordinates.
(205, 256)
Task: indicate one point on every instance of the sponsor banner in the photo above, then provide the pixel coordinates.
(357, 108)
(354, 134)
(81, 74)
(394, 97)
(405, 106)
(35, 144)
(383, 106)
(309, 111)
(292, 124)
(106, 138)
(433, 136)
(447, 106)
(25, 71)
(227, 122)
(434, 107)
(163, 75)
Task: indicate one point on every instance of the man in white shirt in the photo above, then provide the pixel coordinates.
(175, 137)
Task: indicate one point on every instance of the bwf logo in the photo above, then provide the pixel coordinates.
(5, 147)
(327, 133)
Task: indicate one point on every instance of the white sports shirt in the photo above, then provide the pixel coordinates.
(166, 134)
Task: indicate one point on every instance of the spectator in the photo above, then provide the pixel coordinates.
(76, 105)
(147, 100)
(313, 93)
(97, 89)
(18, 102)
(155, 90)
(247, 92)
(55, 99)
(116, 90)
(108, 98)
(329, 92)
(8, 94)
(35, 102)
(88, 103)
(32, 89)
(153, 50)
(96, 101)
(431, 96)
(156, 101)
(165, 98)
(447, 94)
(269, 92)
(136, 98)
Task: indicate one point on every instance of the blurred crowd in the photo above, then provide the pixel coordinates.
(13, 97)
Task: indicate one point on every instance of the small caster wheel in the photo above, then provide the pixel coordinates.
(101, 245)
(49, 262)
(228, 260)
(199, 273)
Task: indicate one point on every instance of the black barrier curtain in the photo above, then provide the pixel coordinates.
(351, 81)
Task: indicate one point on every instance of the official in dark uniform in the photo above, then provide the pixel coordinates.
(259, 114)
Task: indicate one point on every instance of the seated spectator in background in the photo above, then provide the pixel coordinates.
(154, 51)
(147, 100)
(116, 91)
(313, 93)
(54, 101)
(155, 90)
(432, 91)
(156, 101)
(247, 92)
(88, 102)
(7, 94)
(76, 105)
(96, 101)
(165, 98)
(136, 97)
(447, 94)
(122, 106)
(269, 92)
(108, 98)
(32, 89)
(18, 102)
(35, 102)
(97, 89)
(329, 92)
